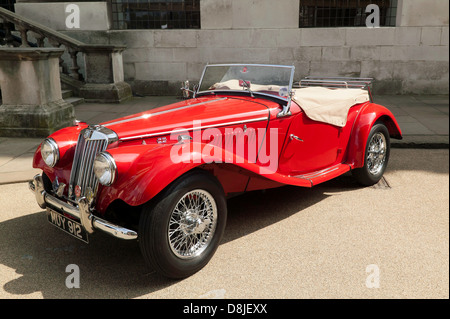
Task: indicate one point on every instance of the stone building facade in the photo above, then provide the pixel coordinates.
(408, 54)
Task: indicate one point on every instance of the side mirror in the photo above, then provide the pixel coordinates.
(185, 89)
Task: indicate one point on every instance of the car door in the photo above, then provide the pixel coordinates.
(309, 146)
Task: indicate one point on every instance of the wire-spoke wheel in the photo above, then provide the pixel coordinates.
(192, 224)
(376, 156)
(180, 230)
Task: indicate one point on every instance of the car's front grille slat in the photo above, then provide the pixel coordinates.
(87, 166)
(90, 142)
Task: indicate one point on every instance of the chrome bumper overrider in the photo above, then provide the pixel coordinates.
(81, 211)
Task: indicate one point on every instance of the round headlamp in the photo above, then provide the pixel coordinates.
(105, 168)
(50, 152)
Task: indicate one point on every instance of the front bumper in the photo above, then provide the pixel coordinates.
(80, 211)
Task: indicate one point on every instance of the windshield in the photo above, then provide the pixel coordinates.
(274, 80)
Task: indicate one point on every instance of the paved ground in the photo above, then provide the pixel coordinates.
(423, 119)
(326, 242)
(308, 243)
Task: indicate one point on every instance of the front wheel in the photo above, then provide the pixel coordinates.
(180, 232)
(376, 156)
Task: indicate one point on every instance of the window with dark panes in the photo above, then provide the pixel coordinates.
(156, 14)
(8, 4)
(344, 13)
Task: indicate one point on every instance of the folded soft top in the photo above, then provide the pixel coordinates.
(329, 105)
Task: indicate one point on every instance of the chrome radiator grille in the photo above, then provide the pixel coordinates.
(91, 141)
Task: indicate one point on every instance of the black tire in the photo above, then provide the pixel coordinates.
(159, 249)
(371, 174)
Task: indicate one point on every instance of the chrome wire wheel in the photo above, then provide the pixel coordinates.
(181, 228)
(376, 154)
(192, 224)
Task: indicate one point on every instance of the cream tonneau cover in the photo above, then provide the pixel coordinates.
(329, 105)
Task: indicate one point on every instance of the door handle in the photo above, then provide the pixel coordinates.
(293, 137)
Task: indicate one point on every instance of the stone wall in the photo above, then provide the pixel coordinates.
(93, 15)
(410, 58)
(401, 59)
(423, 13)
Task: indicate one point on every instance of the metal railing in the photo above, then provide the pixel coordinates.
(337, 82)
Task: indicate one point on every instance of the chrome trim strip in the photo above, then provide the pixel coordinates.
(191, 129)
(145, 116)
(113, 230)
(320, 173)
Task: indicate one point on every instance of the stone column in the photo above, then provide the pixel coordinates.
(104, 75)
(32, 104)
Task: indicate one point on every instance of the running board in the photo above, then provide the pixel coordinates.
(304, 180)
(324, 175)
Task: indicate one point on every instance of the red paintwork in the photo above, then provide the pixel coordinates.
(369, 114)
(223, 110)
(66, 139)
(145, 167)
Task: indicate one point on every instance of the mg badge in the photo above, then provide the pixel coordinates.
(77, 191)
(87, 134)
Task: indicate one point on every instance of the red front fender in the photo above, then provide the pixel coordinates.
(368, 116)
(145, 170)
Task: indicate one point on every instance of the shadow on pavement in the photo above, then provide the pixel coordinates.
(252, 211)
(111, 268)
(40, 253)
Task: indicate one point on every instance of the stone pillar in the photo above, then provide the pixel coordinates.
(104, 75)
(32, 104)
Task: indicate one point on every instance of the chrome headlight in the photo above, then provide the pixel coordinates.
(50, 152)
(105, 168)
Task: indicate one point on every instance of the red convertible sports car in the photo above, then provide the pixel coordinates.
(163, 176)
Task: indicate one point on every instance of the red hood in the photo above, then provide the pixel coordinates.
(204, 112)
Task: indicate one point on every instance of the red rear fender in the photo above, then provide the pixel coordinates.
(368, 116)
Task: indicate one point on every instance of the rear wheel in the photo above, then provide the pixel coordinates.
(376, 156)
(181, 230)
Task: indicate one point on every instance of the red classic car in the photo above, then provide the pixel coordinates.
(163, 176)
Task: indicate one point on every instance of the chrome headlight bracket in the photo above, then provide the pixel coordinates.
(105, 168)
(50, 152)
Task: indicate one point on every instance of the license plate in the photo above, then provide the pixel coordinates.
(68, 225)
